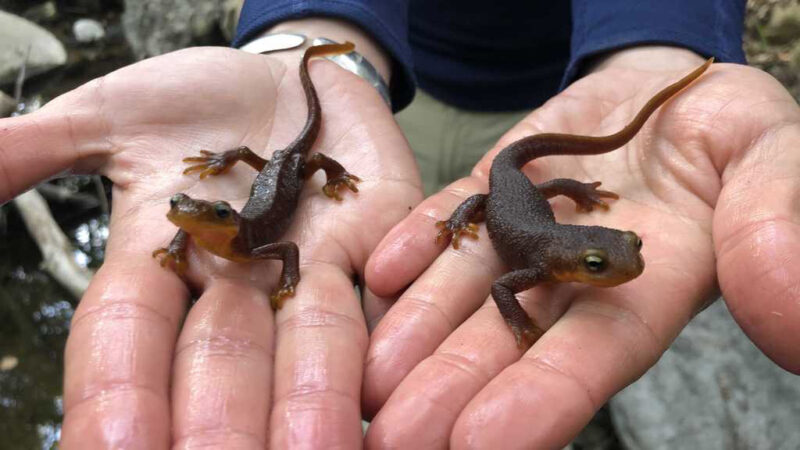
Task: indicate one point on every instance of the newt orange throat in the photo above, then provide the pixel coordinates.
(523, 229)
(254, 232)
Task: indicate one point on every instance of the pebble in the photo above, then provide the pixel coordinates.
(88, 30)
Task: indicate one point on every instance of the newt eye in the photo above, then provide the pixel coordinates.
(174, 200)
(594, 263)
(639, 243)
(222, 210)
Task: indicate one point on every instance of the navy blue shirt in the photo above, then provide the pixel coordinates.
(510, 54)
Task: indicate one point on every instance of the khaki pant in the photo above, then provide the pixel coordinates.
(448, 141)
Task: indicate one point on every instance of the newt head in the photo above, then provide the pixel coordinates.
(212, 224)
(598, 256)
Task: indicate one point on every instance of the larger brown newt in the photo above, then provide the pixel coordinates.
(253, 233)
(523, 229)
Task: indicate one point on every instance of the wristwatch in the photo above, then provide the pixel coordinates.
(353, 62)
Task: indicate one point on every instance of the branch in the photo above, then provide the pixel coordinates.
(57, 252)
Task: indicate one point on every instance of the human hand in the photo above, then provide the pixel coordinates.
(138, 373)
(709, 184)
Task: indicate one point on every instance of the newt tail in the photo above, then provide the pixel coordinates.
(529, 148)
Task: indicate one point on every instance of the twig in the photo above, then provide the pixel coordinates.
(62, 194)
(101, 194)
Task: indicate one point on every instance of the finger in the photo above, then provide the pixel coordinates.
(427, 312)
(409, 248)
(223, 369)
(430, 398)
(119, 356)
(375, 308)
(40, 145)
(321, 339)
(757, 237)
(428, 401)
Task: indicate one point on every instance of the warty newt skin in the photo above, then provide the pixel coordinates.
(523, 229)
(253, 233)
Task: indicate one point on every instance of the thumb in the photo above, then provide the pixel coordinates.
(756, 221)
(40, 145)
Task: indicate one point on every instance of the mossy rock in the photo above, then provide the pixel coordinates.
(784, 26)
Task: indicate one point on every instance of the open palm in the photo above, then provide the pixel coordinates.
(138, 373)
(710, 184)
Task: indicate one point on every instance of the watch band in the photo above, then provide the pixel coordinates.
(353, 61)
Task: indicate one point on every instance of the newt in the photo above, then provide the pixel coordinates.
(254, 233)
(523, 230)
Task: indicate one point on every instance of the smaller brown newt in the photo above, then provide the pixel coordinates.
(253, 233)
(523, 229)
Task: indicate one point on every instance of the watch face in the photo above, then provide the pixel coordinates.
(274, 42)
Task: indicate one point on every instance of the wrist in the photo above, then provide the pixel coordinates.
(339, 31)
(646, 57)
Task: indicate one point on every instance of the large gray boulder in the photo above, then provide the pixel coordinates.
(713, 389)
(154, 27)
(17, 35)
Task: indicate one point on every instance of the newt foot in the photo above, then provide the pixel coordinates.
(210, 163)
(455, 229)
(331, 188)
(590, 197)
(279, 296)
(172, 259)
(526, 337)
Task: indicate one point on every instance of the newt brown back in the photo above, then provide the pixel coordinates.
(523, 229)
(253, 233)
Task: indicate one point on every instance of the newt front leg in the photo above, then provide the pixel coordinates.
(174, 254)
(290, 274)
(504, 291)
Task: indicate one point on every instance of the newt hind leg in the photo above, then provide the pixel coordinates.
(585, 195)
(464, 220)
(218, 163)
(335, 175)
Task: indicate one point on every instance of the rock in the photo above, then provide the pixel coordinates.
(794, 57)
(8, 362)
(599, 434)
(41, 12)
(17, 35)
(153, 27)
(713, 389)
(88, 30)
(784, 26)
(230, 18)
(7, 105)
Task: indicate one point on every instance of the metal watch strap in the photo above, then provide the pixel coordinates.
(353, 62)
